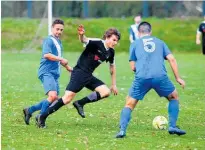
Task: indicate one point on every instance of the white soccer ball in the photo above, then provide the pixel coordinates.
(160, 122)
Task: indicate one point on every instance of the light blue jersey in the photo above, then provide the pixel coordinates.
(134, 31)
(149, 53)
(48, 66)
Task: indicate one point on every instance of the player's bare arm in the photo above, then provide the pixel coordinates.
(198, 35)
(113, 77)
(52, 57)
(81, 33)
(173, 64)
(68, 68)
(132, 66)
(63, 61)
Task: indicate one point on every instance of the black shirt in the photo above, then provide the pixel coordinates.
(202, 30)
(94, 54)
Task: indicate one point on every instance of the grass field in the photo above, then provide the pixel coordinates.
(68, 131)
(20, 34)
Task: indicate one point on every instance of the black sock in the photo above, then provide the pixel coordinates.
(53, 108)
(93, 97)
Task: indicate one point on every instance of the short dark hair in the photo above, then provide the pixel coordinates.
(138, 15)
(145, 27)
(57, 21)
(110, 32)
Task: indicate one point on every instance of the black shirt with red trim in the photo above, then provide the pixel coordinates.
(94, 54)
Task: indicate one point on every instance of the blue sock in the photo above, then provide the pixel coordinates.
(125, 118)
(173, 111)
(45, 106)
(36, 107)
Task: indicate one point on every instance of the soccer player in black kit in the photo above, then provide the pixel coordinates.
(96, 52)
(201, 31)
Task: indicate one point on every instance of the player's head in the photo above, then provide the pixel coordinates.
(57, 27)
(144, 28)
(137, 19)
(111, 37)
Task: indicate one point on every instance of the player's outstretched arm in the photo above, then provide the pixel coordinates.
(81, 34)
(113, 88)
(173, 64)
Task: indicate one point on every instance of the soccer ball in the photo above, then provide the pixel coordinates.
(160, 122)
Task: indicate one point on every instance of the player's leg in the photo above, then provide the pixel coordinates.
(52, 96)
(173, 108)
(74, 86)
(173, 111)
(79, 104)
(29, 110)
(66, 99)
(126, 116)
(164, 87)
(100, 91)
(50, 85)
(137, 92)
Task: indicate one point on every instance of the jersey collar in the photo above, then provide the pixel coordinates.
(145, 35)
(55, 37)
(105, 45)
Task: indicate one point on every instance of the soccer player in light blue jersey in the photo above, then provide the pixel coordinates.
(147, 56)
(133, 32)
(49, 70)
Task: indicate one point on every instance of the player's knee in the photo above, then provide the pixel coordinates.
(105, 93)
(108, 92)
(67, 98)
(52, 97)
(130, 103)
(173, 95)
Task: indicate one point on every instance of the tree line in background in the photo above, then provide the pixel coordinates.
(97, 9)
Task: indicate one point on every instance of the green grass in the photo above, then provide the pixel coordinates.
(67, 131)
(18, 34)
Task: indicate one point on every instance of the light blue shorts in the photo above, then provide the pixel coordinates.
(162, 85)
(50, 83)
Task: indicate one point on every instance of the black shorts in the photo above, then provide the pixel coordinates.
(203, 48)
(80, 79)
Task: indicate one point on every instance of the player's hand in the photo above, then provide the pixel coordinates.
(181, 82)
(69, 68)
(114, 89)
(198, 42)
(64, 62)
(81, 30)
